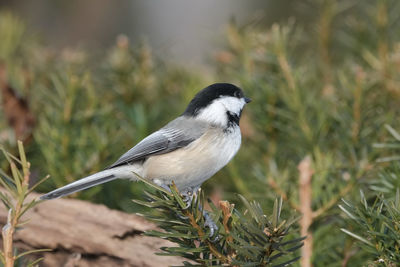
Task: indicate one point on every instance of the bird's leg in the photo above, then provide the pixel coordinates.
(185, 196)
(163, 184)
(209, 223)
(188, 194)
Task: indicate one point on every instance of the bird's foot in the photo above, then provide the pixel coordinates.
(188, 194)
(162, 184)
(210, 224)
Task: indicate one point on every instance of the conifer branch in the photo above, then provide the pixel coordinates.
(14, 199)
(254, 238)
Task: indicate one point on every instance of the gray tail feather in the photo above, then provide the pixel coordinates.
(84, 183)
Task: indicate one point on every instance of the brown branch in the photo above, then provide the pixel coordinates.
(305, 194)
(7, 235)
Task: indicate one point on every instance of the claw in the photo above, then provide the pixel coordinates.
(182, 217)
(188, 194)
(187, 198)
(210, 224)
(163, 185)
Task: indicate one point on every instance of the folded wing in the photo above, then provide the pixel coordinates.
(176, 134)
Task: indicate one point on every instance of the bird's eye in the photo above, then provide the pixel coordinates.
(237, 94)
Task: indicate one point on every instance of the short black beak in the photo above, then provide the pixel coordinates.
(247, 100)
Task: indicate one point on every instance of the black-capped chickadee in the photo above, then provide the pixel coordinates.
(188, 150)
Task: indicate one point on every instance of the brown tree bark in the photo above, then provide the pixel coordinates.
(85, 234)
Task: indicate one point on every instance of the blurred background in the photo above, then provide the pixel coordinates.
(81, 82)
(177, 30)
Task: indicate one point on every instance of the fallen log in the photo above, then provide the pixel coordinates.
(86, 234)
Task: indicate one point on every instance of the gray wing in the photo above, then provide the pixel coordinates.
(176, 134)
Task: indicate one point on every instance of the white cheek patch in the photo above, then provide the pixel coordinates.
(216, 111)
(233, 104)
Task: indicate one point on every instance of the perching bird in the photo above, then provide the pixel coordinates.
(188, 150)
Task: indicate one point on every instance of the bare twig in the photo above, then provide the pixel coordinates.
(7, 234)
(305, 175)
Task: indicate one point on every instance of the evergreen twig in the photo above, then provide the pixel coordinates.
(14, 199)
(251, 238)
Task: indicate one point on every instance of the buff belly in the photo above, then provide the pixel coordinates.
(192, 165)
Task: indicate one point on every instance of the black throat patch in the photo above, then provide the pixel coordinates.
(233, 119)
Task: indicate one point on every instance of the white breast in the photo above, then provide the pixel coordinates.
(192, 165)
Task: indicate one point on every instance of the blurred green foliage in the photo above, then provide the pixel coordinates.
(323, 87)
(374, 222)
(377, 229)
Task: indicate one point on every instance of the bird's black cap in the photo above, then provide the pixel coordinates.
(208, 94)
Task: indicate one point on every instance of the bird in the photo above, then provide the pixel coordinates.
(187, 151)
